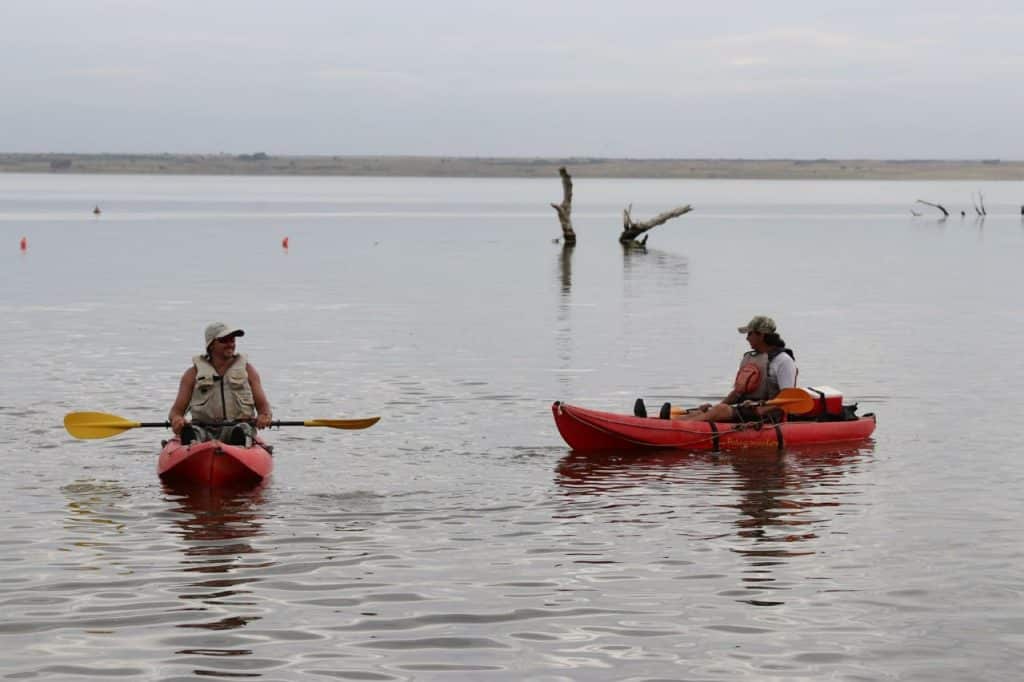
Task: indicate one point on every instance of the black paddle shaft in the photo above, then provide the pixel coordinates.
(215, 425)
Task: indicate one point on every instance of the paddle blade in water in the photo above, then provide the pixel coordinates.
(96, 424)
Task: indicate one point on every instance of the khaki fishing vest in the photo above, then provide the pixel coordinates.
(216, 398)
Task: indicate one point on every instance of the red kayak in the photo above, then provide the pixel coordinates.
(214, 464)
(585, 430)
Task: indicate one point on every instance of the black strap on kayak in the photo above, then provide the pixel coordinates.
(778, 435)
(714, 437)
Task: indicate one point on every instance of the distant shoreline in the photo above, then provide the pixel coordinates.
(467, 167)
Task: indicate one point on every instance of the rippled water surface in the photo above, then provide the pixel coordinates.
(459, 538)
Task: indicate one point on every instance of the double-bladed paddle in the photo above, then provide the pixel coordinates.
(101, 425)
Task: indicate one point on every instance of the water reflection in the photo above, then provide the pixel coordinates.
(777, 493)
(594, 473)
(97, 525)
(565, 268)
(979, 225)
(216, 516)
(217, 528)
(654, 267)
(92, 509)
(563, 318)
(773, 486)
(783, 501)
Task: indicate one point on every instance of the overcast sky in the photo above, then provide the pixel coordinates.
(551, 78)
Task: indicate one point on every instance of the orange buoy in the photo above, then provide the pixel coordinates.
(284, 243)
(24, 244)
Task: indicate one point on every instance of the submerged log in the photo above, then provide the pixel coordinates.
(564, 210)
(632, 229)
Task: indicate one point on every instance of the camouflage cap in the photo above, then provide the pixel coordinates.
(759, 323)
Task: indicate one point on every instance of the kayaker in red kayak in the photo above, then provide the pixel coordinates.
(221, 385)
(764, 370)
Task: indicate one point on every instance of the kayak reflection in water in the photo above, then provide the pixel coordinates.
(220, 386)
(765, 370)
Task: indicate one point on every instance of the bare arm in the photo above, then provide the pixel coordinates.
(263, 413)
(180, 406)
(732, 398)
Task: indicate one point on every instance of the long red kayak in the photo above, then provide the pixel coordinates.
(214, 464)
(585, 429)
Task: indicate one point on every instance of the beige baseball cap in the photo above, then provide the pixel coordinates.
(759, 323)
(218, 330)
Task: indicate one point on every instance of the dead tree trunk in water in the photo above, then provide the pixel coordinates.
(564, 210)
(979, 206)
(942, 208)
(631, 230)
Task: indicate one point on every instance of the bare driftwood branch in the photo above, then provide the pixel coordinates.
(564, 210)
(979, 206)
(631, 230)
(942, 208)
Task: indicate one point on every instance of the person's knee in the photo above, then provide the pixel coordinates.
(190, 433)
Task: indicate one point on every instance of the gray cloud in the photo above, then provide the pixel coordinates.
(525, 78)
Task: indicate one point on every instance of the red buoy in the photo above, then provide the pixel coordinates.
(24, 244)
(284, 243)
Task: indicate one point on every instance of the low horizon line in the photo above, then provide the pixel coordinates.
(578, 157)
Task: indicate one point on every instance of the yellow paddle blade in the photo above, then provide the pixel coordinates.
(343, 423)
(793, 401)
(96, 424)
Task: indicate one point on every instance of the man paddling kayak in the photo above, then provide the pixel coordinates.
(765, 370)
(220, 386)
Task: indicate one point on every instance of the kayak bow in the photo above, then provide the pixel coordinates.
(215, 464)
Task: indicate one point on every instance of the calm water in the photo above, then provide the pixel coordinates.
(459, 538)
